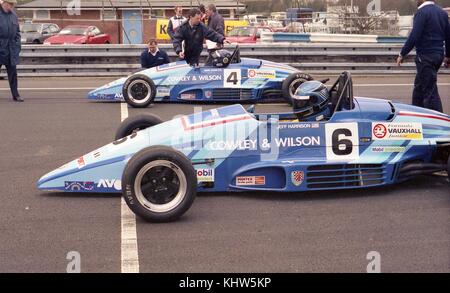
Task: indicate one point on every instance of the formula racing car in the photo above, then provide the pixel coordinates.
(330, 140)
(226, 77)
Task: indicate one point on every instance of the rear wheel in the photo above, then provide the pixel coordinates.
(139, 91)
(291, 84)
(448, 168)
(159, 184)
(136, 123)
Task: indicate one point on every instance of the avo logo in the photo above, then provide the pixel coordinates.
(114, 183)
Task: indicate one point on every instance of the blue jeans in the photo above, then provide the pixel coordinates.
(426, 94)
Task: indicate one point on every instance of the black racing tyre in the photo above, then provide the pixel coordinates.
(136, 123)
(159, 184)
(448, 168)
(139, 91)
(291, 84)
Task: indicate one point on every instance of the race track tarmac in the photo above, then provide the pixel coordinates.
(408, 224)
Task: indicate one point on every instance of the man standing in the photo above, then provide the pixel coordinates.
(176, 21)
(153, 57)
(215, 20)
(430, 30)
(10, 44)
(193, 32)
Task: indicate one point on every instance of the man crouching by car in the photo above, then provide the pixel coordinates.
(10, 44)
(193, 32)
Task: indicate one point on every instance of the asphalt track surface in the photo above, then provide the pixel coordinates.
(408, 224)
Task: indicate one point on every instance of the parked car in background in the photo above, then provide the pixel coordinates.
(254, 19)
(79, 34)
(247, 34)
(276, 26)
(37, 33)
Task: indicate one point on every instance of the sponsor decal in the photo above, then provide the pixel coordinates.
(250, 180)
(205, 175)
(97, 154)
(162, 92)
(388, 149)
(187, 96)
(252, 144)
(109, 184)
(81, 163)
(78, 186)
(208, 94)
(193, 78)
(397, 131)
(297, 177)
(258, 73)
(118, 96)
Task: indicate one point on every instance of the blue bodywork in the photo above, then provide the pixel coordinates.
(249, 80)
(373, 144)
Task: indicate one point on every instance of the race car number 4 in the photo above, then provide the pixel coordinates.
(232, 78)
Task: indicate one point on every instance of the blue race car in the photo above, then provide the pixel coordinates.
(226, 77)
(330, 140)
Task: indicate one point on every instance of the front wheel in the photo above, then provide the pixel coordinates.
(136, 123)
(139, 91)
(159, 184)
(291, 84)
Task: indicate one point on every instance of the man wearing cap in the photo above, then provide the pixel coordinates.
(10, 44)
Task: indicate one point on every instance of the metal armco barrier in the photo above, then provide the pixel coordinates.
(120, 60)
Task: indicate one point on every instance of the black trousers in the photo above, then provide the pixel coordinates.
(426, 94)
(12, 78)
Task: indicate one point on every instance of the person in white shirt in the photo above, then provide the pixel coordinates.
(176, 21)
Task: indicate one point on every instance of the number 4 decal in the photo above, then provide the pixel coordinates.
(342, 141)
(232, 78)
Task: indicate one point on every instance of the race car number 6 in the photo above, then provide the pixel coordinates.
(342, 141)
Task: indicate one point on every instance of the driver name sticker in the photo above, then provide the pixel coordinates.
(257, 73)
(187, 96)
(397, 131)
(250, 180)
(232, 78)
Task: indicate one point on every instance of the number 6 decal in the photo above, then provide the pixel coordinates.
(342, 141)
(232, 78)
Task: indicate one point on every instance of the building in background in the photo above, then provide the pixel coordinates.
(126, 21)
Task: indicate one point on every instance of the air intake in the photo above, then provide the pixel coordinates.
(343, 175)
(232, 94)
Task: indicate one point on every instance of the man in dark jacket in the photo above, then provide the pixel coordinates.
(10, 44)
(193, 32)
(153, 56)
(215, 20)
(430, 31)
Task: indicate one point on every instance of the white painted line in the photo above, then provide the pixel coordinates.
(50, 89)
(128, 246)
